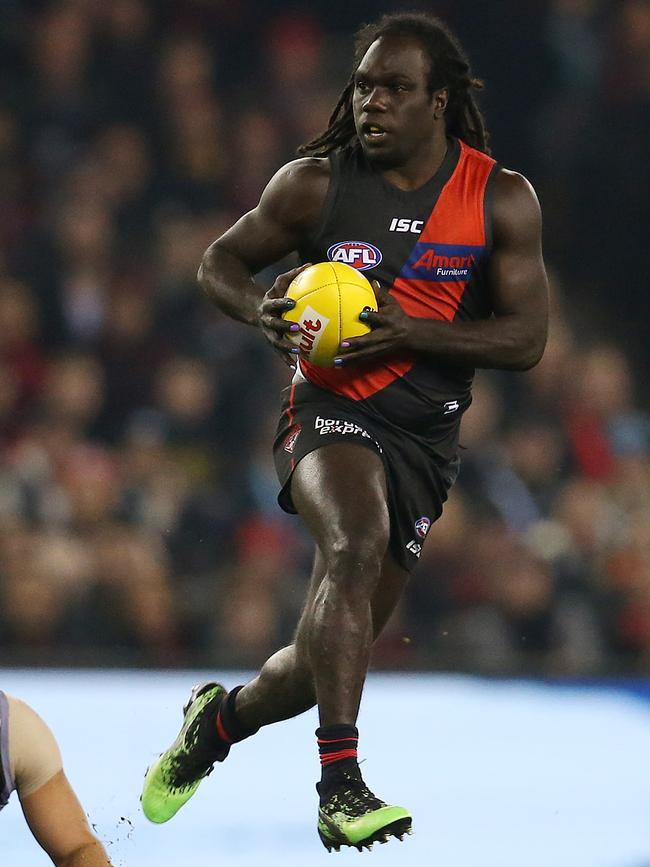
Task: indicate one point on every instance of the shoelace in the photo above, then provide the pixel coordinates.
(357, 797)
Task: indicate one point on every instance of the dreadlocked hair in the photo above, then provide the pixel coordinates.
(449, 68)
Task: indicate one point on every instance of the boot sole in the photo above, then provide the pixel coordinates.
(398, 829)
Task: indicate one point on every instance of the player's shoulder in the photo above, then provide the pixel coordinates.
(34, 754)
(296, 192)
(17, 705)
(513, 198)
(22, 715)
(302, 178)
(511, 186)
(307, 167)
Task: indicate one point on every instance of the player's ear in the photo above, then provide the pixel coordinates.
(440, 100)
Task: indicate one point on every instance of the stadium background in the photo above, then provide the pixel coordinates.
(138, 523)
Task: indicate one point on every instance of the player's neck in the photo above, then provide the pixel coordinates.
(420, 168)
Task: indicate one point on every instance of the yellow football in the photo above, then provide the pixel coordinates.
(329, 297)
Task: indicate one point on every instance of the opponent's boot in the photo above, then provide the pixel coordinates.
(350, 815)
(172, 780)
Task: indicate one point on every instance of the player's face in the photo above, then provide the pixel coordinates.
(393, 110)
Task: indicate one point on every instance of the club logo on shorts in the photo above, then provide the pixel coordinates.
(290, 442)
(422, 526)
(358, 254)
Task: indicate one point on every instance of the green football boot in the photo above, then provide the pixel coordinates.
(172, 780)
(352, 816)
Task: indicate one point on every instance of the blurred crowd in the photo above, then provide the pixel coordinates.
(138, 520)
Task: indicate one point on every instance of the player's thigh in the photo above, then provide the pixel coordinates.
(340, 492)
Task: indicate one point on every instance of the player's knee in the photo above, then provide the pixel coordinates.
(365, 539)
(351, 558)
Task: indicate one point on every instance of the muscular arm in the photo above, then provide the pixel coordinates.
(514, 339)
(289, 208)
(57, 821)
(51, 808)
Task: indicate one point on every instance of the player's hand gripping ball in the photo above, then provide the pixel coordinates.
(329, 297)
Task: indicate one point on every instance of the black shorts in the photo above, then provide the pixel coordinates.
(419, 470)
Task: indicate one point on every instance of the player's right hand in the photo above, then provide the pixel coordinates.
(270, 311)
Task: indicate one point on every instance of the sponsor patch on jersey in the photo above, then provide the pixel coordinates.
(358, 254)
(422, 526)
(442, 263)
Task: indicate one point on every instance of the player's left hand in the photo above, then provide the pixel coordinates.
(390, 329)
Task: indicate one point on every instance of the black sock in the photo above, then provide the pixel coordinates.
(230, 729)
(337, 747)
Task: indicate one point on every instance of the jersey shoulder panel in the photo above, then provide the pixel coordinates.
(460, 209)
(443, 275)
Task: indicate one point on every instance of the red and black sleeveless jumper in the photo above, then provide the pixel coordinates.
(429, 248)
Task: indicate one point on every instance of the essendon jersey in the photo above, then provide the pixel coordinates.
(429, 247)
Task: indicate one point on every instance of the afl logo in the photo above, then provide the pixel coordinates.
(356, 253)
(422, 527)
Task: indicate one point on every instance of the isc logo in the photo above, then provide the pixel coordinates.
(404, 225)
(359, 254)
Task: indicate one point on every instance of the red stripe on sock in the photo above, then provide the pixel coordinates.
(339, 756)
(337, 740)
(221, 731)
